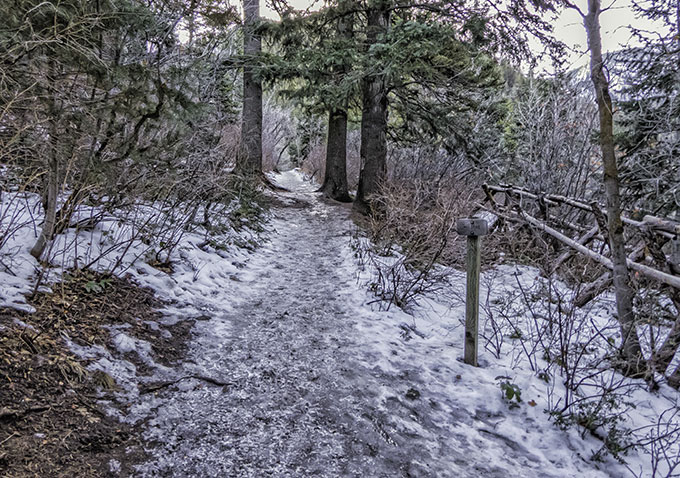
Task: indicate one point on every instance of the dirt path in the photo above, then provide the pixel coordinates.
(305, 395)
(300, 404)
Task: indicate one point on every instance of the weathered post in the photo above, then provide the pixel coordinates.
(473, 228)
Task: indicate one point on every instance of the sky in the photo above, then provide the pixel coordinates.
(568, 28)
(614, 24)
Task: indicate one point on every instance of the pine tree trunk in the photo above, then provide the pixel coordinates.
(630, 346)
(249, 161)
(335, 179)
(373, 118)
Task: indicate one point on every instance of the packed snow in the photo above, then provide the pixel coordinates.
(295, 370)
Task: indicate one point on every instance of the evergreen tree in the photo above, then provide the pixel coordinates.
(374, 109)
(431, 68)
(96, 98)
(315, 63)
(249, 161)
(335, 176)
(650, 113)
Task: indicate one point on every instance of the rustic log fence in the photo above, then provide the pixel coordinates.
(646, 257)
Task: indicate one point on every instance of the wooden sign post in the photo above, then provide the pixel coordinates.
(473, 228)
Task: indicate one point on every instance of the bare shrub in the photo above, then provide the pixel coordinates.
(412, 233)
(278, 134)
(534, 320)
(662, 440)
(315, 162)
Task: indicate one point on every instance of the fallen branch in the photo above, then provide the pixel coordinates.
(593, 289)
(663, 227)
(154, 387)
(583, 240)
(14, 434)
(660, 224)
(9, 414)
(602, 283)
(673, 281)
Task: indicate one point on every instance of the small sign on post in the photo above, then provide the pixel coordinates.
(473, 228)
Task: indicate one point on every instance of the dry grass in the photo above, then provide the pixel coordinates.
(412, 233)
(50, 423)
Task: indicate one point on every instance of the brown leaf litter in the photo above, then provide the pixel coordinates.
(50, 423)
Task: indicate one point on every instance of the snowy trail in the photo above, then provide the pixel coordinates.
(316, 385)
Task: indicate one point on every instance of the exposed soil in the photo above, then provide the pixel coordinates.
(50, 423)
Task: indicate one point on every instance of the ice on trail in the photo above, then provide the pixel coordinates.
(301, 375)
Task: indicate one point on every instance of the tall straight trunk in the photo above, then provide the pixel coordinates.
(630, 346)
(52, 193)
(249, 161)
(335, 179)
(677, 37)
(373, 117)
(667, 352)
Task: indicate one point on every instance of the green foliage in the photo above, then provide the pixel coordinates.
(250, 203)
(649, 128)
(248, 213)
(315, 60)
(308, 133)
(97, 286)
(511, 392)
(602, 418)
(437, 71)
(437, 79)
(516, 334)
(114, 75)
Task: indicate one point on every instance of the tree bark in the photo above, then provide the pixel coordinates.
(666, 353)
(335, 179)
(630, 346)
(335, 176)
(50, 206)
(249, 161)
(674, 378)
(373, 149)
(52, 193)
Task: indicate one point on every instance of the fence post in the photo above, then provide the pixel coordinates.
(473, 228)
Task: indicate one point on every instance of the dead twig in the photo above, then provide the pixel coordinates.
(154, 387)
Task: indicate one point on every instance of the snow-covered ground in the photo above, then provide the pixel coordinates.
(294, 370)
